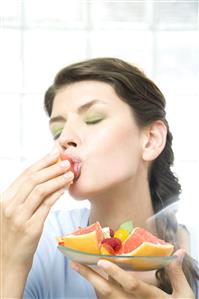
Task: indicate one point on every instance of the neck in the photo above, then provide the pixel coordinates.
(129, 201)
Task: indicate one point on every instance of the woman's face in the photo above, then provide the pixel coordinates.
(92, 123)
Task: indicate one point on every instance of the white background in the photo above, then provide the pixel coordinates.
(38, 37)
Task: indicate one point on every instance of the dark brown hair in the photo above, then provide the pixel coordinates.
(148, 105)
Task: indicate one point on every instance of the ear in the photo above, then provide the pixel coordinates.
(154, 140)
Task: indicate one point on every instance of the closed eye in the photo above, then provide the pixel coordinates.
(57, 133)
(92, 122)
(56, 136)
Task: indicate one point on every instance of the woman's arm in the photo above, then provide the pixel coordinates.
(24, 207)
(13, 281)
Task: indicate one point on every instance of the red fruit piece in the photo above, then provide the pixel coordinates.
(107, 249)
(115, 243)
(111, 232)
(61, 243)
(75, 165)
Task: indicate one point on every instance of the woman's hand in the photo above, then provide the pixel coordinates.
(24, 208)
(124, 285)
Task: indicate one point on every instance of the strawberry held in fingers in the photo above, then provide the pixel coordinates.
(74, 162)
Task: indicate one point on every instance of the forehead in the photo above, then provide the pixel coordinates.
(76, 94)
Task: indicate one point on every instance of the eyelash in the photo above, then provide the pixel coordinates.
(56, 136)
(93, 121)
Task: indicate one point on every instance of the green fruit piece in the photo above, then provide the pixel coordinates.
(127, 225)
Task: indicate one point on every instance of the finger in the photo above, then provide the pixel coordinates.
(46, 161)
(102, 286)
(37, 178)
(39, 194)
(129, 283)
(23, 211)
(36, 222)
(177, 278)
(18, 184)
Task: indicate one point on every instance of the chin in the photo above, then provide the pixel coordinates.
(76, 194)
(88, 189)
(84, 189)
(82, 194)
(79, 191)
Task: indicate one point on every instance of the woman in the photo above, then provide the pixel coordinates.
(107, 115)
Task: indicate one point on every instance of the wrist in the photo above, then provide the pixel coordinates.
(13, 279)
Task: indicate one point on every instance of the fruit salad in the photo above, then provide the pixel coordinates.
(125, 241)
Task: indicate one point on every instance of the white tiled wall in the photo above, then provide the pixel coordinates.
(47, 51)
(131, 45)
(10, 60)
(37, 38)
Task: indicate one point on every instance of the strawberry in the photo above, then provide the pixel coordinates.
(106, 249)
(114, 243)
(75, 164)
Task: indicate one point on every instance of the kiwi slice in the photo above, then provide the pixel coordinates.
(127, 225)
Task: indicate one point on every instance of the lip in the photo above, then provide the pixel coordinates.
(77, 169)
(73, 157)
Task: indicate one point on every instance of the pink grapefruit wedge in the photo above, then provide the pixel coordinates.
(86, 239)
(142, 243)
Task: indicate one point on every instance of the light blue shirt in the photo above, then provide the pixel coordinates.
(51, 275)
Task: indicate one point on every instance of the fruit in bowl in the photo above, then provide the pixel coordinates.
(125, 241)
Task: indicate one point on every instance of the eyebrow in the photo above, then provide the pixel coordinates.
(80, 109)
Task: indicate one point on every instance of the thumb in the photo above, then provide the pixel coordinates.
(176, 275)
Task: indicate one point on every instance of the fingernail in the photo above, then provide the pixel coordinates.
(68, 175)
(64, 163)
(103, 264)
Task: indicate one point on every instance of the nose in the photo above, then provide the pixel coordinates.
(66, 143)
(69, 138)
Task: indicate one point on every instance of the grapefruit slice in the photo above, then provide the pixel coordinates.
(142, 243)
(86, 239)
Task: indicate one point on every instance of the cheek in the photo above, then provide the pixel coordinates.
(111, 156)
(120, 154)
